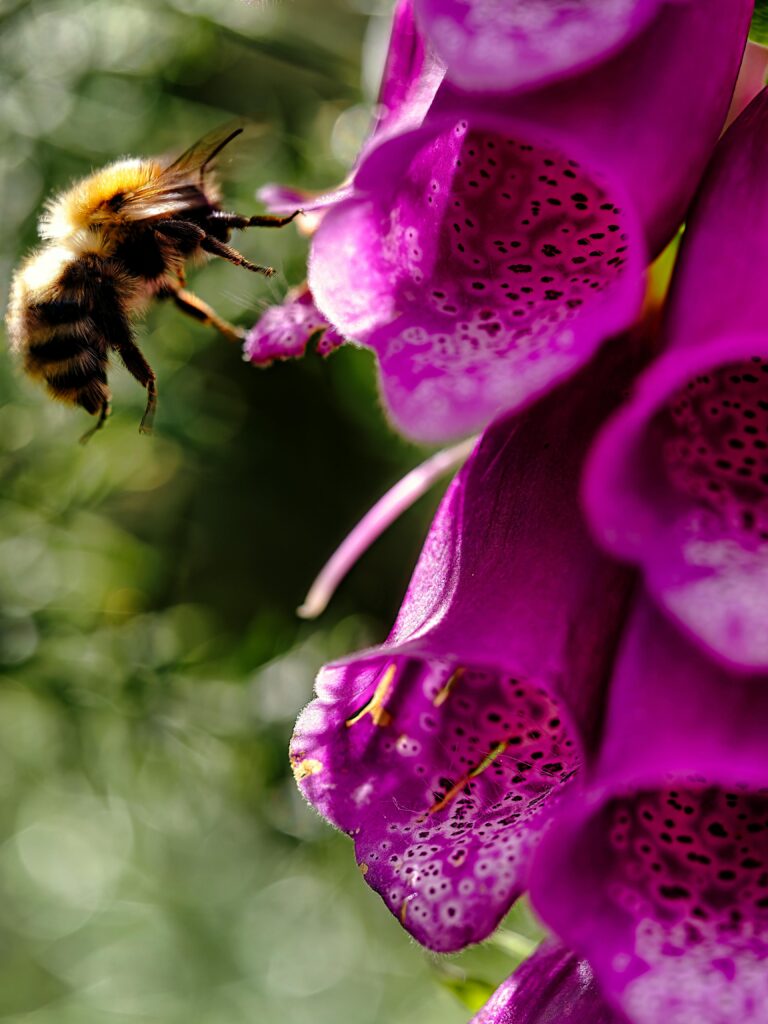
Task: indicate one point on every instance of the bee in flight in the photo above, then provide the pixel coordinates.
(114, 241)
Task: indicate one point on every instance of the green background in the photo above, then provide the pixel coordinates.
(156, 861)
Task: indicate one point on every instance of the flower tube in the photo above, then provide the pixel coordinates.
(411, 77)
(494, 46)
(445, 751)
(678, 483)
(486, 254)
(659, 875)
(551, 986)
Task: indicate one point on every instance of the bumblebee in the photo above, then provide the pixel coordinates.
(113, 242)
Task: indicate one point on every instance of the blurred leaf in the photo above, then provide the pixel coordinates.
(473, 993)
(759, 29)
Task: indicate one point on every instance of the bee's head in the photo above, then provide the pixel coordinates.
(95, 202)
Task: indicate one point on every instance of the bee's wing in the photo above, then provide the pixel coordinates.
(199, 156)
(163, 198)
(179, 187)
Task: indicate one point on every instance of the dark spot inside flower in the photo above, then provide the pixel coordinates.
(674, 892)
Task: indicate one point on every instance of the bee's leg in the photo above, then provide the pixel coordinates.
(201, 311)
(104, 412)
(217, 248)
(138, 367)
(235, 220)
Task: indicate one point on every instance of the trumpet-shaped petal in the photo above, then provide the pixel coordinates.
(659, 876)
(411, 77)
(551, 986)
(679, 481)
(487, 265)
(486, 254)
(500, 45)
(445, 751)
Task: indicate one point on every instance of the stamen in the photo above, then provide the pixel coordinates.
(386, 510)
(453, 792)
(375, 706)
(306, 767)
(445, 693)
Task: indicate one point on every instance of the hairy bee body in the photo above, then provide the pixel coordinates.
(113, 242)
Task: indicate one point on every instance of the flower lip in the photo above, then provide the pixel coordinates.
(658, 874)
(444, 772)
(496, 47)
(678, 872)
(678, 483)
(485, 260)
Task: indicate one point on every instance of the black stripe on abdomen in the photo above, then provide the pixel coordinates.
(58, 311)
(60, 348)
(77, 377)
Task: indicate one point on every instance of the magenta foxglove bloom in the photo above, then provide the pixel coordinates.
(658, 875)
(553, 986)
(409, 82)
(511, 44)
(486, 254)
(284, 331)
(444, 752)
(412, 75)
(679, 482)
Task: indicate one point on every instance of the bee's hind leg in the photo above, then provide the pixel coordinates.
(104, 413)
(139, 368)
(204, 314)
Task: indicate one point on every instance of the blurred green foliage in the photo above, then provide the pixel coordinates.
(759, 30)
(157, 864)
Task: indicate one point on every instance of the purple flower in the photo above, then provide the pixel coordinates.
(550, 987)
(511, 44)
(679, 481)
(485, 255)
(284, 331)
(445, 751)
(412, 75)
(659, 874)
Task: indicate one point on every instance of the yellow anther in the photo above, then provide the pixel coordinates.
(308, 766)
(375, 706)
(445, 692)
(454, 791)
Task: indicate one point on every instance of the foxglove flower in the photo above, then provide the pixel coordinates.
(445, 751)
(659, 874)
(284, 331)
(679, 482)
(551, 987)
(486, 255)
(512, 44)
(410, 79)
(409, 82)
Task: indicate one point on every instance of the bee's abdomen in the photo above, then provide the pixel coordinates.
(83, 382)
(67, 349)
(60, 348)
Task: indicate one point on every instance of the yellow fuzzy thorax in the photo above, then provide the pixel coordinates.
(84, 205)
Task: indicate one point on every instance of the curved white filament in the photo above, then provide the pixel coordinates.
(386, 510)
